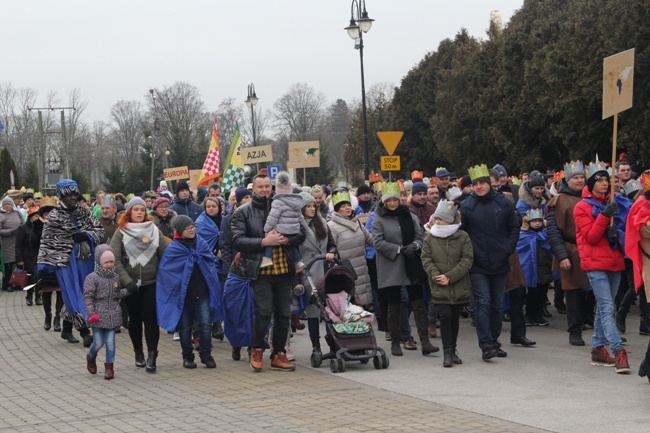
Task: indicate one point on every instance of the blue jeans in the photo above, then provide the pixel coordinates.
(487, 291)
(405, 315)
(605, 285)
(103, 336)
(196, 310)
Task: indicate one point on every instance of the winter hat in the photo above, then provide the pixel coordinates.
(442, 172)
(465, 181)
(408, 185)
(182, 185)
(181, 222)
(419, 187)
(102, 253)
(306, 199)
(283, 183)
(501, 169)
(134, 201)
(7, 200)
(363, 189)
(157, 202)
(107, 256)
(67, 187)
(201, 193)
(446, 211)
(241, 193)
(163, 183)
(536, 181)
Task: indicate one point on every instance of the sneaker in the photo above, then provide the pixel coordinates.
(489, 354)
(299, 266)
(528, 321)
(501, 353)
(410, 344)
(208, 361)
(290, 356)
(266, 262)
(622, 366)
(540, 321)
(189, 363)
(256, 359)
(600, 356)
(576, 339)
(177, 336)
(387, 336)
(644, 327)
(281, 363)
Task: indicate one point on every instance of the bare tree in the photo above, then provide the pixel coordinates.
(229, 114)
(126, 131)
(298, 114)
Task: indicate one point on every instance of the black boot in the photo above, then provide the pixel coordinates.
(57, 323)
(48, 322)
(620, 321)
(644, 328)
(236, 353)
(217, 331)
(315, 347)
(29, 298)
(151, 361)
(68, 336)
(88, 339)
(393, 320)
(139, 359)
(448, 360)
(422, 323)
(38, 300)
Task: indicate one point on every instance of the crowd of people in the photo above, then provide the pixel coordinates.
(483, 246)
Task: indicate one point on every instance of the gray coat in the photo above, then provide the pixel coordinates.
(9, 223)
(285, 215)
(387, 236)
(351, 239)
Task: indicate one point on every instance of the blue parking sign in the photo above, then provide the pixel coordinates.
(273, 170)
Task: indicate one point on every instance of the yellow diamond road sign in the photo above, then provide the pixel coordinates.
(390, 139)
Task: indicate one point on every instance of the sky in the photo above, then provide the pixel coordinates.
(119, 49)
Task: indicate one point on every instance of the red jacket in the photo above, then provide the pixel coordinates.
(595, 252)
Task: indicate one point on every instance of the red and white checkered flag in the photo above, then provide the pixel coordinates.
(211, 165)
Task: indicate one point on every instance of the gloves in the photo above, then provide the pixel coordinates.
(94, 318)
(298, 290)
(132, 287)
(611, 232)
(609, 210)
(411, 249)
(80, 237)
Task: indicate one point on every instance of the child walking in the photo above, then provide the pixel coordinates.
(447, 257)
(286, 218)
(102, 293)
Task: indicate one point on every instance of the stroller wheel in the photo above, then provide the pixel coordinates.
(334, 366)
(341, 365)
(376, 362)
(384, 362)
(365, 361)
(316, 359)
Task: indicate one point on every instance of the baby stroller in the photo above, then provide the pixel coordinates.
(360, 346)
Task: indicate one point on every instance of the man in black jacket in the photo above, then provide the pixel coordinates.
(491, 222)
(271, 285)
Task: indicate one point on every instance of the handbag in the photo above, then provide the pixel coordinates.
(19, 278)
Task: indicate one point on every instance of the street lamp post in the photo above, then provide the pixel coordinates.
(251, 102)
(360, 23)
(153, 157)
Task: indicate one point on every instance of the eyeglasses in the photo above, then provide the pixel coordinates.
(166, 206)
(190, 229)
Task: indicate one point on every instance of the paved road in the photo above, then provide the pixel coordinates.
(44, 388)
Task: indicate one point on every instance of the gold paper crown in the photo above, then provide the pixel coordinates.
(376, 187)
(515, 180)
(415, 174)
(390, 188)
(86, 196)
(341, 197)
(645, 181)
(49, 201)
(478, 171)
(38, 195)
(573, 168)
(535, 214)
(130, 196)
(29, 191)
(594, 168)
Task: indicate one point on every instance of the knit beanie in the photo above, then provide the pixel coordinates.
(181, 222)
(134, 201)
(595, 178)
(7, 200)
(107, 256)
(363, 189)
(241, 193)
(182, 185)
(536, 181)
(157, 202)
(66, 187)
(306, 199)
(501, 169)
(419, 187)
(283, 183)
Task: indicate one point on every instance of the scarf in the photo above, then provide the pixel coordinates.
(140, 242)
(105, 273)
(440, 231)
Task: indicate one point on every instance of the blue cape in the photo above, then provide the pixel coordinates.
(623, 207)
(239, 310)
(527, 251)
(174, 272)
(207, 230)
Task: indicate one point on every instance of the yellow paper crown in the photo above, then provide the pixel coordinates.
(376, 187)
(130, 196)
(515, 180)
(49, 201)
(415, 174)
(478, 171)
(38, 195)
(390, 188)
(594, 168)
(86, 196)
(341, 197)
(645, 181)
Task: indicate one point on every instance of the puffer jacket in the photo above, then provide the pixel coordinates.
(451, 256)
(247, 224)
(185, 206)
(285, 215)
(351, 239)
(102, 296)
(493, 227)
(595, 252)
(164, 224)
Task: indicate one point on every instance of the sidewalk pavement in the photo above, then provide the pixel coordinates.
(44, 387)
